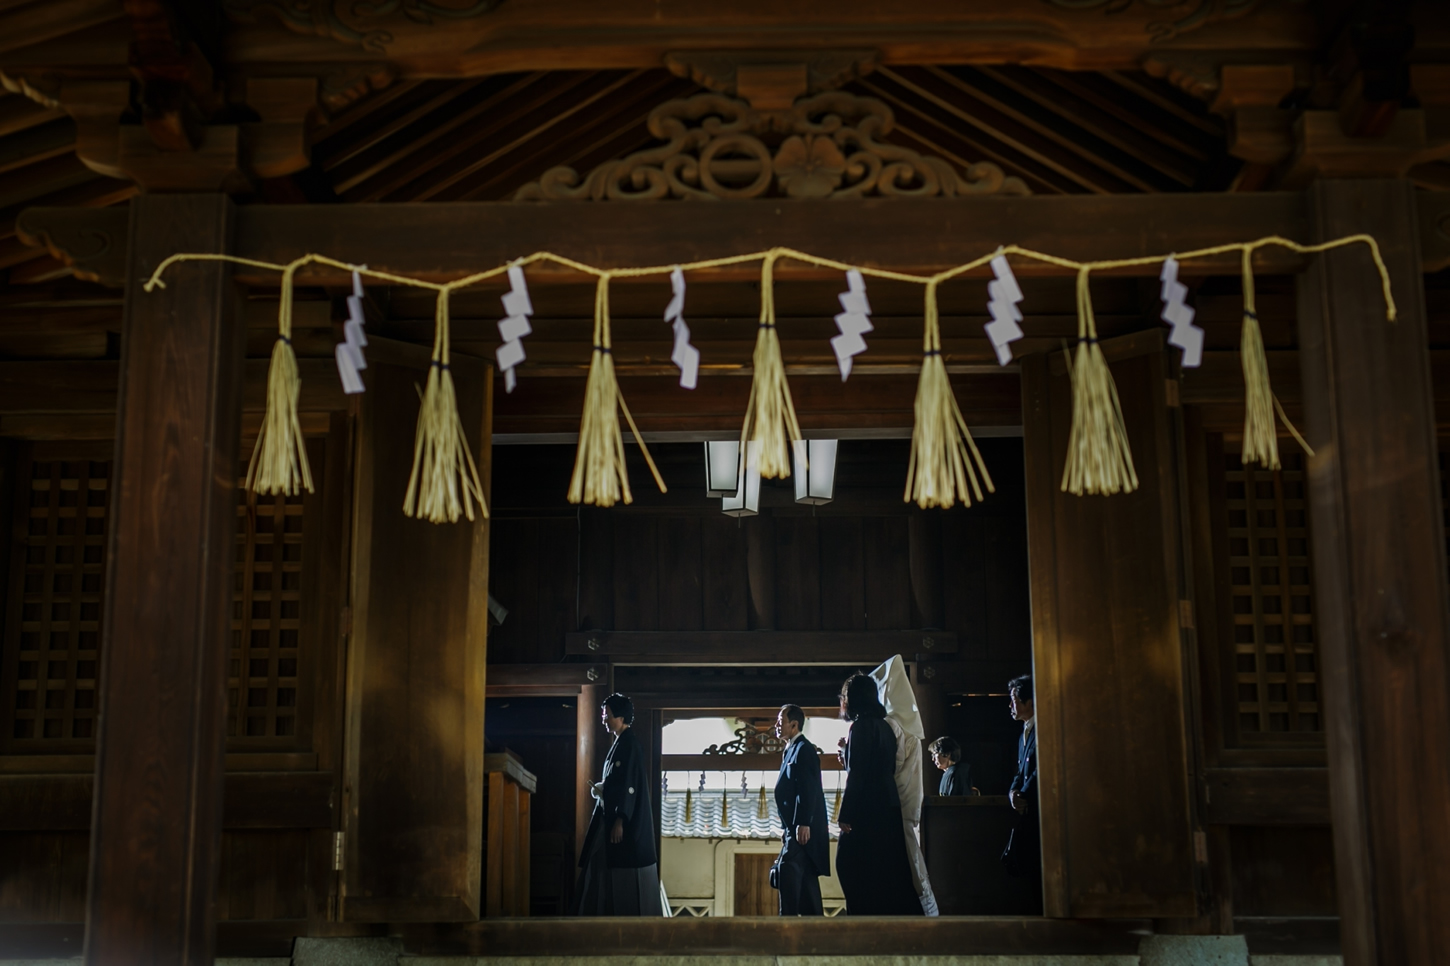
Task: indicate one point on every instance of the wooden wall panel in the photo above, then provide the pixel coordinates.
(887, 573)
(534, 571)
(636, 571)
(965, 566)
(1281, 871)
(1007, 620)
(681, 605)
(843, 587)
(263, 875)
(596, 568)
(797, 574)
(1117, 839)
(43, 876)
(725, 587)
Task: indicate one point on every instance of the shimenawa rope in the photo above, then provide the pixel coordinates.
(1099, 458)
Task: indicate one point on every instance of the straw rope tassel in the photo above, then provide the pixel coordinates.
(1261, 437)
(689, 807)
(770, 414)
(761, 811)
(725, 808)
(836, 810)
(944, 457)
(444, 479)
(279, 460)
(1098, 458)
(600, 475)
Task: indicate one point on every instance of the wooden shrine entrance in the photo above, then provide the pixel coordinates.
(1151, 661)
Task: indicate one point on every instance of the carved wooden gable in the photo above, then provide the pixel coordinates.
(826, 145)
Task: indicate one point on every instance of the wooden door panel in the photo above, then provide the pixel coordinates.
(413, 812)
(1117, 834)
(753, 894)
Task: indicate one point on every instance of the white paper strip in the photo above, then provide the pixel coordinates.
(514, 326)
(685, 356)
(854, 321)
(347, 369)
(349, 354)
(1185, 334)
(1003, 294)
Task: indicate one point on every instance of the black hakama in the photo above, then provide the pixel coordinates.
(621, 878)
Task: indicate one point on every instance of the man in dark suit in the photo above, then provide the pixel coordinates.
(805, 853)
(946, 754)
(1023, 855)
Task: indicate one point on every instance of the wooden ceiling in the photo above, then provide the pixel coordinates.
(1060, 131)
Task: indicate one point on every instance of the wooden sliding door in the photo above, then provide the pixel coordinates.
(413, 808)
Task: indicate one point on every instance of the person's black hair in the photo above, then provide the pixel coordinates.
(945, 747)
(1022, 685)
(859, 698)
(620, 707)
(794, 713)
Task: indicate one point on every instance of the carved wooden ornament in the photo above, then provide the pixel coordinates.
(827, 145)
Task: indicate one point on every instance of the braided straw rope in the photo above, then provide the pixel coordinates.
(1099, 460)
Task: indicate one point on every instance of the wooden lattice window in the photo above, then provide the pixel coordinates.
(266, 629)
(1276, 673)
(52, 634)
(53, 623)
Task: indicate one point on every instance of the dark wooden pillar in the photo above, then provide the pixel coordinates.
(1379, 567)
(589, 757)
(156, 826)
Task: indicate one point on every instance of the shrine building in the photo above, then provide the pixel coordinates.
(384, 384)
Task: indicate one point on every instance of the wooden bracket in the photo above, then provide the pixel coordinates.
(281, 142)
(1323, 150)
(772, 79)
(1249, 96)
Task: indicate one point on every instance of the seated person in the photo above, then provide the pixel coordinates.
(946, 754)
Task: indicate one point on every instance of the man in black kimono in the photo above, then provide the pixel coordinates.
(1023, 855)
(621, 875)
(805, 852)
(946, 754)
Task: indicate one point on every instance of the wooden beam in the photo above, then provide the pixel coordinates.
(579, 34)
(447, 240)
(855, 937)
(1266, 796)
(768, 761)
(1380, 576)
(543, 680)
(156, 832)
(753, 648)
(256, 800)
(90, 386)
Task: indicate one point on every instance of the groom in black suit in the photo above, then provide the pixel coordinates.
(806, 850)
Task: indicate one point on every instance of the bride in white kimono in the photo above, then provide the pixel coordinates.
(894, 689)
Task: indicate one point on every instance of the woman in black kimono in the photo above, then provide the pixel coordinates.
(621, 875)
(871, 859)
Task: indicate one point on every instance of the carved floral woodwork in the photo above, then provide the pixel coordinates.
(754, 737)
(828, 145)
(90, 240)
